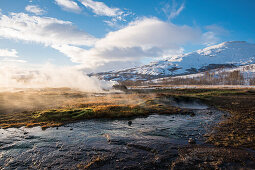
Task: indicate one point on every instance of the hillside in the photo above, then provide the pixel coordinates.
(229, 55)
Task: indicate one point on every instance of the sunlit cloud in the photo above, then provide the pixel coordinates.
(116, 16)
(9, 61)
(8, 53)
(68, 5)
(213, 34)
(143, 38)
(44, 30)
(34, 9)
(139, 40)
(100, 8)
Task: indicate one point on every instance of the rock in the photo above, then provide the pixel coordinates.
(192, 141)
(209, 112)
(129, 123)
(192, 114)
(44, 127)
(28, 137)
(120, 87)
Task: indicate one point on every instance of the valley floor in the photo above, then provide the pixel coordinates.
(227, 143)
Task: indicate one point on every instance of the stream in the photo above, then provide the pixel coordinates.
(148, 142)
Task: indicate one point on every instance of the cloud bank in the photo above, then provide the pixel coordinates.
(45, 30)
(140, 39)
(143, 38)
(15, 73)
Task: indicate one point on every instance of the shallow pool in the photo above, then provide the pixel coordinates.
(105, 144)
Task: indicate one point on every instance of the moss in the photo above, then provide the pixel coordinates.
(62, 115)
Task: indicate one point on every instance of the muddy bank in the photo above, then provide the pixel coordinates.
(234, 134)
(238, 130)
(210, 157)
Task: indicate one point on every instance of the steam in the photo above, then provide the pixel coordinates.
(49, 76)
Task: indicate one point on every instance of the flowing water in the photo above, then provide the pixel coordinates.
(148, 142)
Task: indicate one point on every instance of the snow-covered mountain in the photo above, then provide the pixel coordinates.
(225, 55)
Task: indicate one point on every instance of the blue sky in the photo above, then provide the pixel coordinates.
(113, 34)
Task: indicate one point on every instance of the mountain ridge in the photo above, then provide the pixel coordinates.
(228, 54)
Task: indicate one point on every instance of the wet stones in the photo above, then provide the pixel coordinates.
(192, 141)
(209, 112)
(187, 112)
(28, 137)
(192, 114)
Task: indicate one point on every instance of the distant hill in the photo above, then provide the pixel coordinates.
(227, 55)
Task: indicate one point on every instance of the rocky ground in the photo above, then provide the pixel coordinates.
(230, 145)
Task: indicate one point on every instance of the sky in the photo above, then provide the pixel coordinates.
(104, 35)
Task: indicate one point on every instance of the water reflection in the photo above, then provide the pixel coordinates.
(147, 141)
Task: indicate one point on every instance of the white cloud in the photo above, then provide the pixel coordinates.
(45, 30)
(213, 34)
(8, 53)
(210, 38)
(172, 11)
(217, 29)
(34, 9)
(9, 57)
(147, 37)
(120, 20)
(68, 5)
(141, 39)
(148, 33)
(8, 61)
(100, 8)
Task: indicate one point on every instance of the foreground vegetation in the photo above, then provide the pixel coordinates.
(74, 106)
(55, 107)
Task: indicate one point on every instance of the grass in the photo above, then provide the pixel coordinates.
(71, 106)
(58, 107)
(238, 130)
(103, 111)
